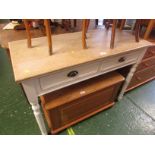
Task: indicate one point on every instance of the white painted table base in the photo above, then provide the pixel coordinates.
(33, 100)
(32, 89)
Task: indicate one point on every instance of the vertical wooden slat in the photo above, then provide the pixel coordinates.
(48, 33)
(75, 23)
(84, 33)
(96, 22)
(29, 44)
(122, 24)
(113, 33)
(137, 30)
(87, 24)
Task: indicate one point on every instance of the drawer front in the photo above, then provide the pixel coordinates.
(81, 107)
(120, 60)
(146, 63)
(150, 52)
(142, 76)
(68, 75)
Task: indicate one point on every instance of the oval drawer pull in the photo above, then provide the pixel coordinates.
(72, 74)
(122, 59)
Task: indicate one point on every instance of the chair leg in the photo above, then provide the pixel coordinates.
(29, 44)
(75, 23)
(87, 24)
(122, 24)
(149, 28)
(48, 33)
(84, 33)
(113, 33)
(96, 22)
(137, 29)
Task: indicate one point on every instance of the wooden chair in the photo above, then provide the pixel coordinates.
(48, 33)
(113, 22)
(149, 28)
(85, 25)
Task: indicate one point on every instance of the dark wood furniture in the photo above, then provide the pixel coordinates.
(75, 103)
(145, 71)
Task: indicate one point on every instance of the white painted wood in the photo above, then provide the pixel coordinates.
(60, 77)
(30, 91)
(130, 74)
(65, 84)
(114, 61)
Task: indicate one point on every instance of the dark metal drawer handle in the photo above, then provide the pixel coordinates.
(122, 59)
(72, 74)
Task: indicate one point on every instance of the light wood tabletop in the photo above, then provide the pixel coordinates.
(67, 51)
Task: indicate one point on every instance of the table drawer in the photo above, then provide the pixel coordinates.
(68, 75)
(146, 63)
(120, 60)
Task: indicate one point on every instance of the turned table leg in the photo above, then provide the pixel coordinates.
(32, 97)
(130, 75)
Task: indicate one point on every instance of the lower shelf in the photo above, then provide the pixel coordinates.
(75, 103)
(54, 131)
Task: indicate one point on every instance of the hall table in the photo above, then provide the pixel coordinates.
(40, 73)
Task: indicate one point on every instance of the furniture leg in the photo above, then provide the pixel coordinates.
(122, 24)
(84, 33)
(130, 75)
(137, 30)
(75, 23)
(87, 24)
(28, 33)
(33, 100)
(113, 33)
(48, 33)
(149, 28)
(96, 22)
